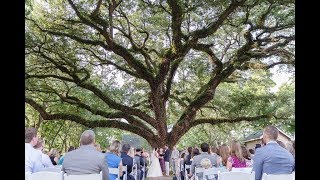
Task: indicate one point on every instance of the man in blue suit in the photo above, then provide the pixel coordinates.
(127, 160)
(272, 158)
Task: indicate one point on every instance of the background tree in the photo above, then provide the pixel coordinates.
(144, 66)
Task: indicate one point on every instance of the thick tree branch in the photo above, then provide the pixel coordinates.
(90, 123)
(214, 121)
(213, 27)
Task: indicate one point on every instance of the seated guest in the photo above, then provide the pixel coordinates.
(236, 159)
(97, 146)
(224, 153)
(247, 156)
(46, 162)
(54, 156)
(71, 148)
(197, 159)
(272, 158)
(113, 159)
(86, 159)
(33, 158)
(127, 160)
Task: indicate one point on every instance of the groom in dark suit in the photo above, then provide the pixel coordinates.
(272, 158)
(166, 157)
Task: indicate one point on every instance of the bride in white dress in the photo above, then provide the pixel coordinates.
(154, 169)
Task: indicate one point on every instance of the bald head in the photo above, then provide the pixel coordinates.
(271, 132)
(87, 137)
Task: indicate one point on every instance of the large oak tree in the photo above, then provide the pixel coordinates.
(127, 64)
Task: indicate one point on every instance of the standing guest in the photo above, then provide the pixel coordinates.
(71, 148)
(188, 159)
(32, 156)
(272, 158)
(161, 160)
(145, 157)
(236, 159)
(175, 161)
(113, 159)
(140, 163)
(86, 159)
(182, 161)
(167, 154)
(127, 160)
(46, 162)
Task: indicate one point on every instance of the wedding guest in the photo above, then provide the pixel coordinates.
(127, 160)
(236, 159)
(272, 158)
(246, 155)
(167, 154)
(113, 159)
(45, 159)
(197, 159)
(224, 153)
(86, 159)
(175, 160)
(71, 148)
(54, 156)
(33, 158)
(161, 160)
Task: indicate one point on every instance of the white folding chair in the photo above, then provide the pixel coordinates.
(278, 176)
(134, 171)
(114, 171)
(204, 174)
(186, 172)
(246, 170)
(26, 176)
(82, 177)
(44, 175)
(124, 170)
(236, 176)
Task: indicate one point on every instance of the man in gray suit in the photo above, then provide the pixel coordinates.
(272, 158)
(86, 159)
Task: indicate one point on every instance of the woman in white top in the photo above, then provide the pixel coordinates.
(155, 168)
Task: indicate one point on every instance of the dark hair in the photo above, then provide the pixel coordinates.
(251, 151)
(182, 155)
(71, 148)
(126, 148)
(195, 152)
(258, 146)
(204, 147)
(30, 133)
(138, 149)
(190, 150)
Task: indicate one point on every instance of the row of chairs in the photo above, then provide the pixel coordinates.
(50, 175)
(236, 173)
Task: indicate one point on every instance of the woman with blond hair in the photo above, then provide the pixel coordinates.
(236, 158)
(113, 159)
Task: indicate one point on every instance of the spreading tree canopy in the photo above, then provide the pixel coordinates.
(151, 67)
